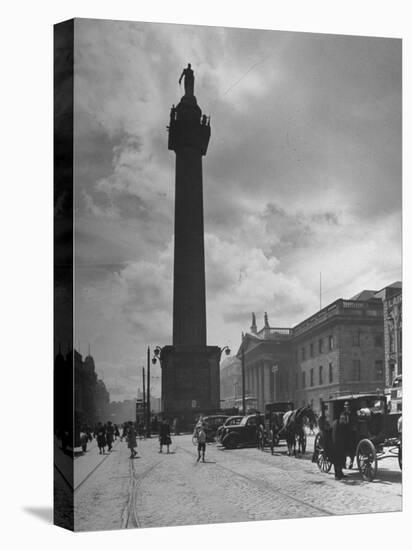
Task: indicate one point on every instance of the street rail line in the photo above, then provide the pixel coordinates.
(266, 487)
(130, 519)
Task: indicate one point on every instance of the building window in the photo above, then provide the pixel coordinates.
(391, 343)
(320, 345)
(311, 377)
(356, 338)
(303, 379)
(356, 369)
(378, 370)
(320, 375)
(330, 373)
(391, 373)
(311, 350)
(331, 342)
(378, 340)
(303, 354)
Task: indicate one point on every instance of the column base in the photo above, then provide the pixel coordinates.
(190, 381)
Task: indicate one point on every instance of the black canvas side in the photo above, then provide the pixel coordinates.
(63, 274)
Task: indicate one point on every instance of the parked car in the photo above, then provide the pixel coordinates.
(231, 421)
(213, 423)
(243, 433)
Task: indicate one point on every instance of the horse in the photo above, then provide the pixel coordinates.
(294, 428)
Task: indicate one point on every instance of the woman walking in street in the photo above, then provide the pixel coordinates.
(201, 442)
(131, 440)
(109, 435)
(101, 437)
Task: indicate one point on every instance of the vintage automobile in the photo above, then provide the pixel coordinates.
(376, 434)
(231, 421)
(212, 424)
(394, 395)
(242, 434)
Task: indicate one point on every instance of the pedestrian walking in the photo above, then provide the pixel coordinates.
(201, 442)
(131, 440)
(109, 435)
(164, 435)
(116, 431)
(351, 432)
(101, 437)
(339, 445)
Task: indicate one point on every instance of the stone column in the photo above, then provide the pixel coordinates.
(266, 385)
(256, 381)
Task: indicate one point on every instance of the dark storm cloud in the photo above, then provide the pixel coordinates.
(302, 175)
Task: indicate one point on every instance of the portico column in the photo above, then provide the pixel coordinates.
(266, 384)
(255, 372)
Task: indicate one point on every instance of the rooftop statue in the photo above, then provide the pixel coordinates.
(189, 82)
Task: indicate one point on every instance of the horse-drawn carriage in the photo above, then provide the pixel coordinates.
(371, 432)
(282, 421)
(273, 431)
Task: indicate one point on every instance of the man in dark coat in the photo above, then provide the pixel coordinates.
(351, 432)
(164, 435)
(339, 445)
(109, 435)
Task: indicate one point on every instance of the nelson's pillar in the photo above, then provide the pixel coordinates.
(190, 368)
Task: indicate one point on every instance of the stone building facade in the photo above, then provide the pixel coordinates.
(76, 379)
(340, 349)
(392, 316)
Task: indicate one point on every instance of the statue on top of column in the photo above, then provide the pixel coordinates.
(189, 82)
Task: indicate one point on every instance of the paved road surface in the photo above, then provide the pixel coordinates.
(237, 485)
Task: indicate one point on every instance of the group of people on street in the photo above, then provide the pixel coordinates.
(339, 439)
(105, 435)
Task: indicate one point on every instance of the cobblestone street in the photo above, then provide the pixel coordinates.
(237, 485)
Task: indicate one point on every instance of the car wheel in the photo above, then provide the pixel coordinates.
(230, 441)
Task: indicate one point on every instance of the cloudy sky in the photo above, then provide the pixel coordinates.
(302, 176)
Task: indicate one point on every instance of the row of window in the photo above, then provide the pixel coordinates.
(330, 342)
(320, 376)
(378, 340)
(357, 373)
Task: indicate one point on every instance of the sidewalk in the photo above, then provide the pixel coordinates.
(84, 464)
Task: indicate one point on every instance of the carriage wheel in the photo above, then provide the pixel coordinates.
(324, 464)
(400, 455)
(322, 460)
(366, 459)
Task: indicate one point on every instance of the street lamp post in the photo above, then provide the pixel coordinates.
(243, 380)
(144, 395)
(148, 434)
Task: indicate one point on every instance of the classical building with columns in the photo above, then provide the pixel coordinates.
(268, 363)
(337, 350)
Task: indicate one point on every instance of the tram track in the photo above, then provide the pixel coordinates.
(263, 485)
(130, 516)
